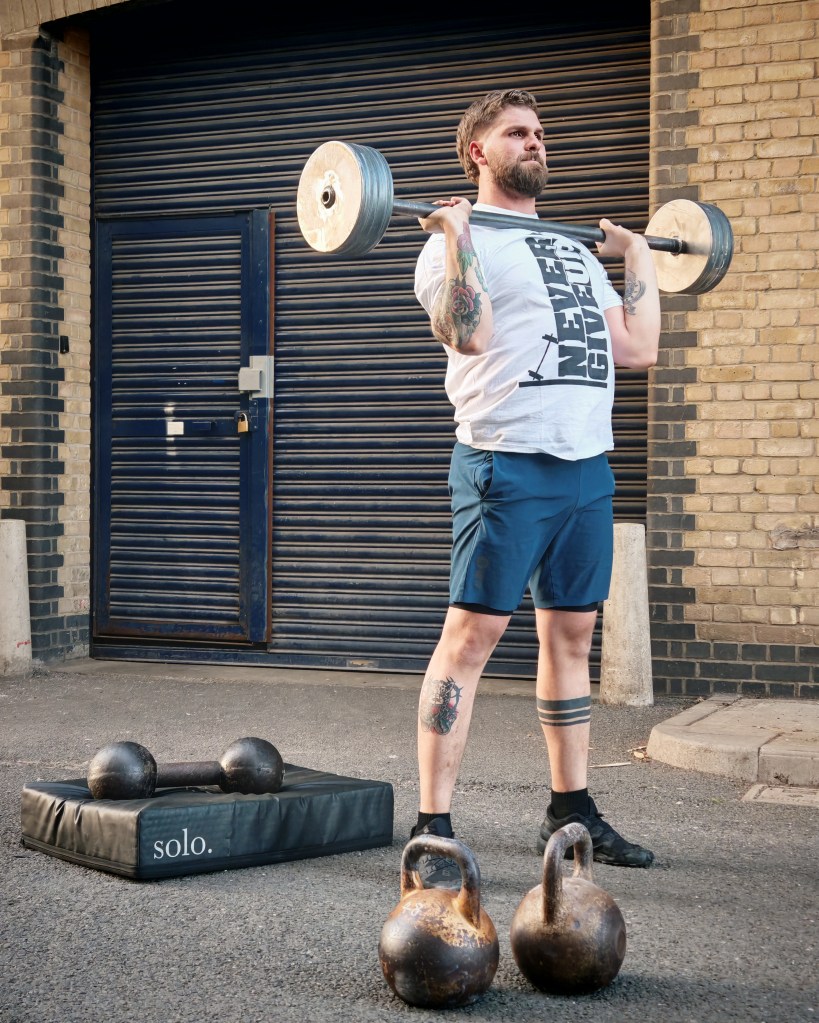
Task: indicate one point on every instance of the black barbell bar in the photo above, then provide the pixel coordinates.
(509, 220)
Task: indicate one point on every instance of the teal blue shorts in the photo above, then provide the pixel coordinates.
(531, 520)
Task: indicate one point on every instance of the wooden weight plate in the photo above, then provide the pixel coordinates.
(345, 199)
(709, 246)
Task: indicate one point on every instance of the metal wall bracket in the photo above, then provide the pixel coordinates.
(257, 378)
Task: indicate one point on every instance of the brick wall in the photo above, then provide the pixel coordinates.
(733, 504)
(733, 523)
(21, 16)
(45, 326)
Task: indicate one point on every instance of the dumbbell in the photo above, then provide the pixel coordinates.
(126, 770)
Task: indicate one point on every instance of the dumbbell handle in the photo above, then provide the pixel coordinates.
(174, 774)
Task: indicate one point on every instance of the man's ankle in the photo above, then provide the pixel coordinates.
(564, 804)
(425, 818)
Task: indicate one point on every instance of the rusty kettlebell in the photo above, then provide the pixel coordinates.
(568, 936)
(438, 948)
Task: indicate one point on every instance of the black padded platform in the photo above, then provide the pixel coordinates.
(195, 830)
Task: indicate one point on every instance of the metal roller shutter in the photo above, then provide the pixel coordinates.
(362, 428)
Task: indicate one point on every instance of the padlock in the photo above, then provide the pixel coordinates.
(242, 422)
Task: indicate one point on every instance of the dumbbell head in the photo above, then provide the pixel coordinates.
(251, 765)
(123, 770)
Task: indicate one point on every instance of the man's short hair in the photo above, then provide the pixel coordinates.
(480, 115)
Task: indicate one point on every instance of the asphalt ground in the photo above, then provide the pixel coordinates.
(722, 927)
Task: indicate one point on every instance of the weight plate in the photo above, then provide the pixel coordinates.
(345, 199)
(722, 250)
(709, 246)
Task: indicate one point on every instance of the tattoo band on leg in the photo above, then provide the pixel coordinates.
(440, 705)
(558, 713)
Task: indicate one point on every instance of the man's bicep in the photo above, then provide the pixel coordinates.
(616, 321)
(429, 292)
(429, 276)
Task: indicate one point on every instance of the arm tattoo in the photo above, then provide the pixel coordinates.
(439, 705)
(467, 257)
(459, 310)
(460, 313)
(559, 713)
(634, 291)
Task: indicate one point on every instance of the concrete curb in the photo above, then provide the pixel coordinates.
(775, 742)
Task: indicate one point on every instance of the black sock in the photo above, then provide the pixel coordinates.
(565, 803)
(425, 818)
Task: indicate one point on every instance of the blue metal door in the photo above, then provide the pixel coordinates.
(183, 380)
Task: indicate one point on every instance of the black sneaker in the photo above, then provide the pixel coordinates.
(608, 846)
(437, 871)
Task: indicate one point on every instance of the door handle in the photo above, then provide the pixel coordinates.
(199, 425)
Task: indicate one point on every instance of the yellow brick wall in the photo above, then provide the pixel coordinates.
(735, 85)
(758, 390)
(6, 183)
(75, 300)
(23, 15)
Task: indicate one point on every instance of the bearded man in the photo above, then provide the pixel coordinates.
(532, 329)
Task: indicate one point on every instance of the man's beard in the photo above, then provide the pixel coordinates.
(526, 177)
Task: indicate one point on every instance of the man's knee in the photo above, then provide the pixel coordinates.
(470, 637)
(570, 632)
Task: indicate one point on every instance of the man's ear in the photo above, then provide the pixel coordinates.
(476, 152)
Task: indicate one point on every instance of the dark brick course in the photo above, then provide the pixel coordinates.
(33, 419)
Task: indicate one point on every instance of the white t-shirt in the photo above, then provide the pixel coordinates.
(546, 381)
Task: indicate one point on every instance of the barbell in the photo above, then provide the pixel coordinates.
(345, 201)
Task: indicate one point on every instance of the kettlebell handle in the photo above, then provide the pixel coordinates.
(577, 836)
(468, 900)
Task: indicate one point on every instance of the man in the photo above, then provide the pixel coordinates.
(532, 329)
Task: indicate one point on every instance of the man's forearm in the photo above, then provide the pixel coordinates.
(462, 317)
(641, 305)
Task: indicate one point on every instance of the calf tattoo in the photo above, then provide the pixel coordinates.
(559, 713)
(439, 705)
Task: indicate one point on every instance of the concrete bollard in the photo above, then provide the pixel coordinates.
(625, 665)
(15, 618)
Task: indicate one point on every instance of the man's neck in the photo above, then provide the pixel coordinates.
(490, 194)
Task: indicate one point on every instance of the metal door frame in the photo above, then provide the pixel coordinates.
(254, 399)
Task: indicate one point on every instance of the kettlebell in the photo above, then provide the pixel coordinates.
(438, 948)
(568, 936)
